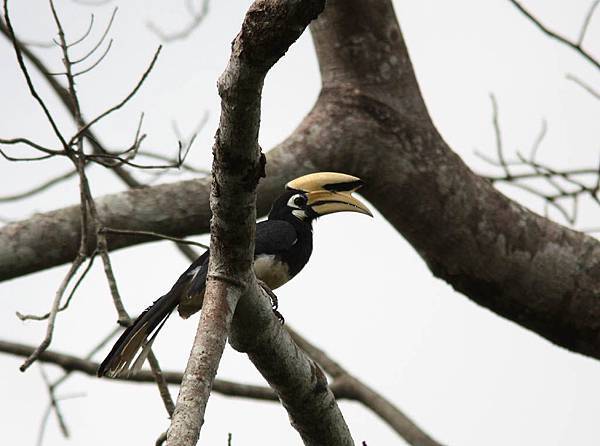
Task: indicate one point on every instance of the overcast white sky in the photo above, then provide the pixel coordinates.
(464, 374)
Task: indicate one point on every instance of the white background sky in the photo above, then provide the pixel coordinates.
(465, 375)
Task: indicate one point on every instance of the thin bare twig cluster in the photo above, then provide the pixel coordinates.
(576, 45)
(197, 16)
(93, 241)
(564, 188)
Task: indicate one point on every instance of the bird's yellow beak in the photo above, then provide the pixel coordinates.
(329, 192)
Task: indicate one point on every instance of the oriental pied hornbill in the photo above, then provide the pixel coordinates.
(283, 246)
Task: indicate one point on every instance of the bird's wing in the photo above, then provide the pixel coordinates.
(274, 237)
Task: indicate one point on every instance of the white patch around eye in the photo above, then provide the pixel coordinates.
(299, 213)
(291, 203)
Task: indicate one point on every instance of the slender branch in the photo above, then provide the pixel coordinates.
(173, 162)
(53, 312)
(498, 134)
(32, 89)
(95, 47)
(95, 64)
(86, 33)
(31, 144)
(574, 45)
(197, 18)
(586, 22)
(586, 87)
(40, 188)
(153, 234)
(132, 93)
(35, 158)
(54, 404)
(70, 363)
(34, 317)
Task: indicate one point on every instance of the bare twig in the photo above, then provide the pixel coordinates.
(586, 87)
(40, 188)
(32, 89)
(153, 234)
(197, 18)
(586, 22)
(498, 134)
(117, 160)
(102, 115)
(54, 404)
(537, 170)
(35, 158)
(577, 46)
(86, 33)
(34, 317)
(161, 383)
(70, 363)
(173, 163)
(95, 64)
(53, 312)
(95, 47)
(31, 144)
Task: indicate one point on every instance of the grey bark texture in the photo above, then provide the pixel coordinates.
(297, 380)
(522, 266)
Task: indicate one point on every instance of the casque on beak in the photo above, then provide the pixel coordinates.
(329, 192)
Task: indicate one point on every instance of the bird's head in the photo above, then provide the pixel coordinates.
(317, 194)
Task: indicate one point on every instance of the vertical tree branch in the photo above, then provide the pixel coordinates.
(269, 28)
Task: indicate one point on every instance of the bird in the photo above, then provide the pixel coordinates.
(283, 246)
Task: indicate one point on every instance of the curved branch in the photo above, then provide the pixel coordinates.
(70, 363)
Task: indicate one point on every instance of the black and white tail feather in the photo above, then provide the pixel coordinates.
(124, 359)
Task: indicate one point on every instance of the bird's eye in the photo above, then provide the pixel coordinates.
(300, 200)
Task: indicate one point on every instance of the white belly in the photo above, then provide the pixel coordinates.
(271, 271)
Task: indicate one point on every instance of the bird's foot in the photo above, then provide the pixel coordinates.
(274, 301)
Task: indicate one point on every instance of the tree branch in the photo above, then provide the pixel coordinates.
(70, 363)
(269, 28)
(346, 384)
